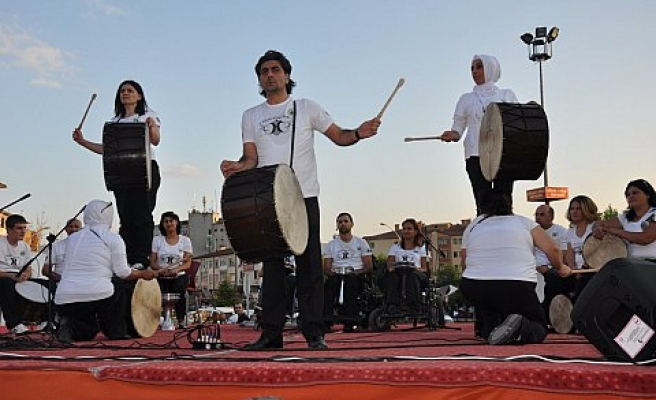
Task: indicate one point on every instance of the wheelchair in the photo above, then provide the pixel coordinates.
(369, 298)
(428, 308)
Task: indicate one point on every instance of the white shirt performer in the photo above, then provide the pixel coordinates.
(86, 297)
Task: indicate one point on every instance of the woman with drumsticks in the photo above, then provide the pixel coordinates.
(135, 205)
(635, 225)
(468, 115)
(171, 255)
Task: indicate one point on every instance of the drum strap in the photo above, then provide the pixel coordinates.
(291, 160)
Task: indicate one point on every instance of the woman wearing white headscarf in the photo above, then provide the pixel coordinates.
(469, 112)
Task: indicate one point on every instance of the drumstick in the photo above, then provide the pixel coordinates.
(93, 97)
(415, 139)
(583, 271)
(389, 100)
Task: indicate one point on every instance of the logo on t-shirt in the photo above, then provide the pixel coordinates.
(276, 125)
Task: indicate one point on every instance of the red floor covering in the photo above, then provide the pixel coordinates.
(400, 364)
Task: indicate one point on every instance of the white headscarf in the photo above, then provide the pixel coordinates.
(98, 212)
(492, 70)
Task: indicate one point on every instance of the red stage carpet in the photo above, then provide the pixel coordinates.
(414, 364)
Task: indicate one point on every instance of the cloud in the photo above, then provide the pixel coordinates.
(182, 171)
(21, 49)
(105, 8)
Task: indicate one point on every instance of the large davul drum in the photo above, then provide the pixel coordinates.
(126, 155)
(264, 213)
(514, 141)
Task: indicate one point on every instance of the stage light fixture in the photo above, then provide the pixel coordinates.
(553, 34)
(527, 38)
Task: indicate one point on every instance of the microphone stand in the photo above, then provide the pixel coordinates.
(15, 201)
(51, 289)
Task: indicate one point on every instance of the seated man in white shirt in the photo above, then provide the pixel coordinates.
(239, 315)
(86, 299)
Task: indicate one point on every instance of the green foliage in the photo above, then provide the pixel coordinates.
(609, 213)
(225, 295)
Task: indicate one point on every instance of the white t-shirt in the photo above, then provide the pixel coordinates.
(13, 258)
(58, 256)
(270, 128)
(469, 114)
(577, 244)
(141, 118)
(348, 254)
(500, 248)
(639, 250)
(558, 233)
(169, 256)
(93, 255)
(407, 258)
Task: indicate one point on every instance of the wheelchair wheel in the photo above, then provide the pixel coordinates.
(378, 322)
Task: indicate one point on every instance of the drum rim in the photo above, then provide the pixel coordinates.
(608, 239)
(292, 215)
(491, 134)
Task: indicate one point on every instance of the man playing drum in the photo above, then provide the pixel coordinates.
(347, 259)
(544, 216)
(267, 140)
(14, 254)
(86, 299)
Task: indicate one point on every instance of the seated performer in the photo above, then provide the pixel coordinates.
(51, 268)
(171, 256)
(544, 216)
(344, 252)
(239, 315)
(635, 225)
(86, 299)
(499, 275)
(406, 258)
(14, 254)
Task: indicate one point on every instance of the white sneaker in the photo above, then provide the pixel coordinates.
(19, 329)
(42, 326)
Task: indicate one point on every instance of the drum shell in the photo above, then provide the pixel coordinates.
(525, 141)
(126, 156)
(250, 215)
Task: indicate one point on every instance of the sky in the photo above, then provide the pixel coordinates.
(195, 62)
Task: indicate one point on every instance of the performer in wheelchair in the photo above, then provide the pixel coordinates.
(346, 261)
(406, 265)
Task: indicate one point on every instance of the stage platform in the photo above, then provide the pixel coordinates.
(401, 364)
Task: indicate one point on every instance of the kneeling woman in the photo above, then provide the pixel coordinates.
(500, 276)
(171, 255)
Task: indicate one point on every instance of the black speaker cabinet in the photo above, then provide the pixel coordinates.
(617, 310)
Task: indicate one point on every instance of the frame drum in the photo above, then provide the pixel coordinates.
(34, 290)
(559, 314)
(598, 252)
(264, 213)
(146, 307)
(513, 142)
(126, 155)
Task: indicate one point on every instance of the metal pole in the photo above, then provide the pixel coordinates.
(546, 175)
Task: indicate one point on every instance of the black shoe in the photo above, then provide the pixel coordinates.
(265, 343)
(508, 332)
(348, 329)
(317, 343)
(64, 333)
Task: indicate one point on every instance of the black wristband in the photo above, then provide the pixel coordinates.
(357, 135)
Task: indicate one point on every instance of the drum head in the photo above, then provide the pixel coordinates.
(146, 307)
(598, 252)
(290, 209)
(490, 142)
(559, 314)
(33, 291)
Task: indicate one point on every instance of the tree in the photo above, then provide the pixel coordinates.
(225, 295)
(609, 213)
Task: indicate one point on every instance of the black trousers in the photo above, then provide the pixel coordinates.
(11, 303)
(177, 285)
(135, 211)
(404, 286)
(309, 284)
(554, 284)
(352, 288)
(496, 299)
(481, 186)
(86, 319)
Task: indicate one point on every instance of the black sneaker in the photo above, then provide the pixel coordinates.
(317, 343)
(507, 332)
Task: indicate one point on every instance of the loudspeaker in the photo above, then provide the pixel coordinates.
(617, 310)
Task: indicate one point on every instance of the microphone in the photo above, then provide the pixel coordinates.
(24, 197)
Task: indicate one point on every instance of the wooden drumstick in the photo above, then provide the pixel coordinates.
(583, 271)
(389, 100)
(93, 97)
(415, 139)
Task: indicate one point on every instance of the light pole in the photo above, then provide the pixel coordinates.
(539, 50)
(390, 228)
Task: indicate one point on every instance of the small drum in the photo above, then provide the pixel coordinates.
(559, 314)
(146, 307)
(264, 213)
(598, 252)
(35, 291)
(126, 155)
(513, 142)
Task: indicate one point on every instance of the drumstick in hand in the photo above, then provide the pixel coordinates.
(415, 139)
(93, 97)
(389, 100)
